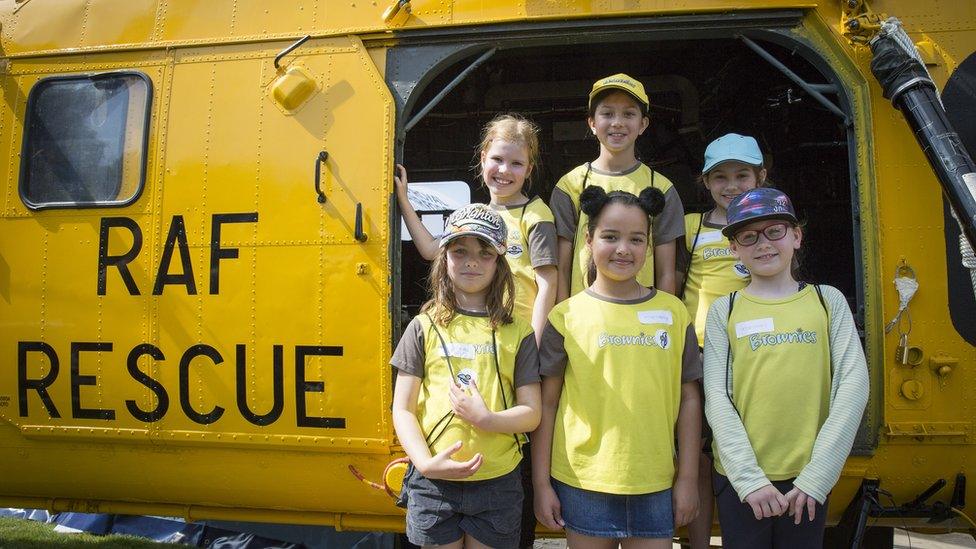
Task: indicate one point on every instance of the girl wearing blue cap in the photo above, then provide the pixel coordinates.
(618, 107)
(707, 268)
(785, 385)
(467, 384)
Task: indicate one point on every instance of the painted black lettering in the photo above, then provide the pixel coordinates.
(302, 386)
(40, 385)
(162, 399)
(188, 356)
(278, 387)
(77, 380)
(121, 262)
(176, 237)
(216, 252)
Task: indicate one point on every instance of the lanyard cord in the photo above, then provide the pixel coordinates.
(691, 258)
(446, 418)
(728, 355)
(579, 210)
(450, 413)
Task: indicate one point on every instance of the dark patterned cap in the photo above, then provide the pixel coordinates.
(480, 221)
(757, 205)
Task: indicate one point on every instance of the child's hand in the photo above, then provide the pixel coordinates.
(469, 406)
(767, 502)
(441, 466)
(400, 180)
(799, 499)
(684, 499)
(548, 510)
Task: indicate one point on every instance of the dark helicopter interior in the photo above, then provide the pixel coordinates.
(699, 90)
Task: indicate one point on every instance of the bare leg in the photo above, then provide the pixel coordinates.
(456, 545)
(700, 529)
(580, 541)
(645, 543)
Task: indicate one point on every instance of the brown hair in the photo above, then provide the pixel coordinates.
(756, 171)
(513, 128)
(442, 305)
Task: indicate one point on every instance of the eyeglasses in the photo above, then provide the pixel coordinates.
(772, 233)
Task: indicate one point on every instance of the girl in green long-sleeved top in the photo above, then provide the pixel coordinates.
(785, 385)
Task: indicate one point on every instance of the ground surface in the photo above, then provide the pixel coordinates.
(903, 540)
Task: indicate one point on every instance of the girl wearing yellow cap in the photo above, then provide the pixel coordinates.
(618, 114)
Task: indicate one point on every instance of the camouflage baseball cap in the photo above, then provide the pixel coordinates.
(480, 221)
(757, 205)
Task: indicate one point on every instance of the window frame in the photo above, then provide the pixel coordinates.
(25, 141)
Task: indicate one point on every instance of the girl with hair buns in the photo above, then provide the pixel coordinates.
(620, 372)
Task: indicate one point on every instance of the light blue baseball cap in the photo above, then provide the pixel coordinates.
(732, 146)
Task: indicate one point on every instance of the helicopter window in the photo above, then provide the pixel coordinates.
(85, 140)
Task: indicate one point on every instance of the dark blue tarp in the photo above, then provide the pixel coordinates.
(210, 534)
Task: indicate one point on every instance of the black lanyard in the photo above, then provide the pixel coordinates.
(445, 420)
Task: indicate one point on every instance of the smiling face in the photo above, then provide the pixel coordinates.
(730, 179)
(504, 168)
(471, 265)
(768, 258)
(617, 121)
(618, 244)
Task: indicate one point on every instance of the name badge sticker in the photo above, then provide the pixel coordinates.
(466, 377)
(655, 317)
(460, 350)
(708, 238)
(757, 326)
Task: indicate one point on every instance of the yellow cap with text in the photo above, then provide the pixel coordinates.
(623, 82)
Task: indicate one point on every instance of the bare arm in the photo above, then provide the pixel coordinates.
(426, 244)
(546, 279)
(547, 506)
(685, 492)
(664, 277)
(565, 255)
(411, 436)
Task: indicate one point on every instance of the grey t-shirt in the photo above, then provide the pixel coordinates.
(666, 226)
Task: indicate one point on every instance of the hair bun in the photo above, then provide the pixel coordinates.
(651, 200)
(592, 200)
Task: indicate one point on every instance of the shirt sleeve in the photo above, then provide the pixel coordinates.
(565, 214)
(691, 366)
(527, 362)
(409, 356)
(552, 352)
(542, 244)
(848, 397)
(670, 223)
(731, 441)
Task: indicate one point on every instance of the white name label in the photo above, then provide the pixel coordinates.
(708, 238)
(757, 326)
(460, 350)
(655, 317)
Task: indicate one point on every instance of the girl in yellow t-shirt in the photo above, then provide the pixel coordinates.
(467, 385)
(620, 372)
(707, 268)
(508, 154)
(786, 384)
(617, 115)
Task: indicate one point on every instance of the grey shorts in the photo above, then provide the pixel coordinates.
(442, 511)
